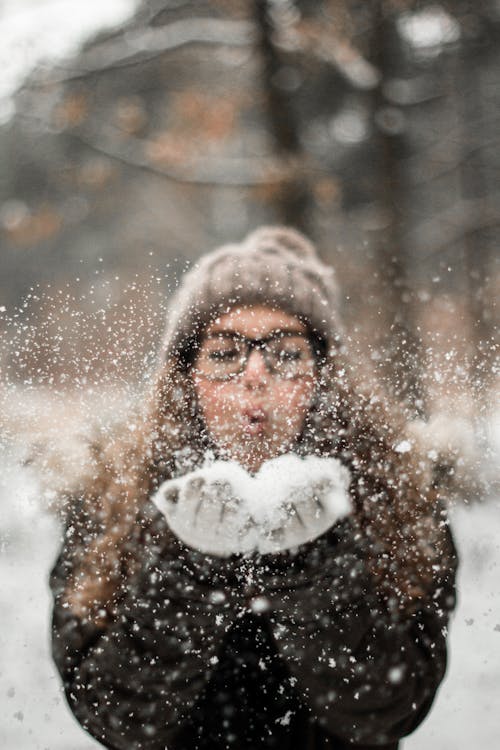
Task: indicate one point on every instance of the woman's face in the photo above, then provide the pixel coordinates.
(255, 408)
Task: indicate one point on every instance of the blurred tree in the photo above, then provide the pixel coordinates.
(293, 197)
(403, 356)
(373, 126)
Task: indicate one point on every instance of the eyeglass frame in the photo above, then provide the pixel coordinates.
(259, 344)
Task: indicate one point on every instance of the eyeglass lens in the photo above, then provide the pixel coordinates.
(286, 355)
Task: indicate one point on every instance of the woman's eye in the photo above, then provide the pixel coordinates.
(290, 355)
(223, 355)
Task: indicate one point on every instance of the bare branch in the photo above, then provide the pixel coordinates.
(349, 62)
(138, 46)
(201, 170)
(142, 45)
(442, 160)
(326, 45)
(451, 226)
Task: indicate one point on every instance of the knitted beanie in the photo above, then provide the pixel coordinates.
(273, 266)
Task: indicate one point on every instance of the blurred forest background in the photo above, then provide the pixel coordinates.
(373, 126)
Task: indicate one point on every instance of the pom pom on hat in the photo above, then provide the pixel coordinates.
(269, 237)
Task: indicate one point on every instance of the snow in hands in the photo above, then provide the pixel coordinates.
(221, 509)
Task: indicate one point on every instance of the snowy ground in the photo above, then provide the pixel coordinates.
(35, 717)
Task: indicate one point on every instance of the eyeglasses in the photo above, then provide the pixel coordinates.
(287, 355)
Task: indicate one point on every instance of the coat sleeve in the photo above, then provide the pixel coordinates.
(368, 675)
(132, 683)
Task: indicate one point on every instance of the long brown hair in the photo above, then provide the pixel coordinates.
(395, 510)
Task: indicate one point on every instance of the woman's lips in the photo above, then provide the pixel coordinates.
(254, 421)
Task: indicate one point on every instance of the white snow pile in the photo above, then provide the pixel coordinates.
(221, 509)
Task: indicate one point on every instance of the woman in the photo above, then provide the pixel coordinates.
(264, 566)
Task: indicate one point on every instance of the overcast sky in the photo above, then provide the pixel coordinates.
(33, 31)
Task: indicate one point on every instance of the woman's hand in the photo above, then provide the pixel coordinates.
(207, 516)
(222, 510)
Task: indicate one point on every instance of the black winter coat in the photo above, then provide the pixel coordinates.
(277, 651)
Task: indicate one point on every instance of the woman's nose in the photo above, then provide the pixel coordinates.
(255, 372)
